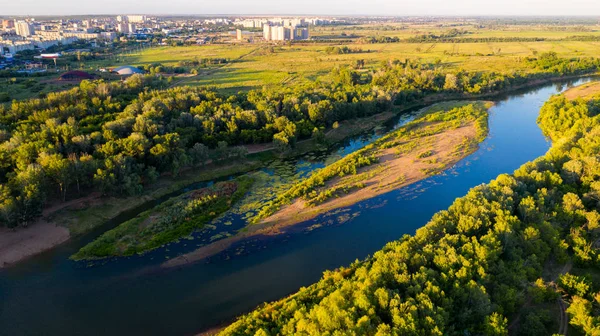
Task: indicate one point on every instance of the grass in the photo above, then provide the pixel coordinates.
(172, 220)
(351, 172)
(20, 88)
(92, 215)
(252, 66)
(290, 65)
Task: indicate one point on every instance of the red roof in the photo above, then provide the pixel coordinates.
(77, 75)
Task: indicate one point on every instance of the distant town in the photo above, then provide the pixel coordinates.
(30, 33)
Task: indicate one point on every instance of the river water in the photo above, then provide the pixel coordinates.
(50, 295)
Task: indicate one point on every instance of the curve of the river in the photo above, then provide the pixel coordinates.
(50, 295)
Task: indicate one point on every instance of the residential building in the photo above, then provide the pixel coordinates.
(8, 24)
(123, 28)
(131, 28)
(285, 33)
(24, 28)
(136, 18)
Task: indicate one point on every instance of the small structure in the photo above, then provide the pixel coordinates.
(75, 75)
(127, 70)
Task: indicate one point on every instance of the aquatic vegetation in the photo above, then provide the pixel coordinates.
(526, 240)
(349, 173)
(170, 221)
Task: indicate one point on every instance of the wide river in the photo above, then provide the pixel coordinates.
(50, 295)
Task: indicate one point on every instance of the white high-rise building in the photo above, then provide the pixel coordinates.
(282, 33)
(123, 28)
(132, 28)
(136, 18)
(23, 28)
(267, 32)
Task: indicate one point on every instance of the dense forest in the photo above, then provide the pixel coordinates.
(513, 250)
(118, 137)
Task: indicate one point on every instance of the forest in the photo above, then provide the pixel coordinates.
(118, 137)
(500, 260)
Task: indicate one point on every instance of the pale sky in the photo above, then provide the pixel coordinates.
(317, 7)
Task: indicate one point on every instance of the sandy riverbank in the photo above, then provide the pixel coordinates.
(393, 171)
(17, 245)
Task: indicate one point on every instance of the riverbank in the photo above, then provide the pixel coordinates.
(17, 245)
(585, 91)
(80, 216)
(443, 135)
(168, 222)
(89, 214)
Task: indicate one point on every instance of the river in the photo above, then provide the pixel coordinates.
(50, 295)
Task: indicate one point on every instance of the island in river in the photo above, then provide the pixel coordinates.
(439, 137)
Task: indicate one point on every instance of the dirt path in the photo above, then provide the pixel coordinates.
(563, 319)
(72, 203)
(563, 328)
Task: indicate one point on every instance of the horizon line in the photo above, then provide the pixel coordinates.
(325, 15)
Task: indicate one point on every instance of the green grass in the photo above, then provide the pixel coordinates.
(92, 215)
(252, 67)
(170, 221)
(349, 172)
(301, 63)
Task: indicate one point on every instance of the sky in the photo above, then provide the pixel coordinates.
(299, 7)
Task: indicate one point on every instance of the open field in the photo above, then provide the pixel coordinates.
(407, 30)
(255, 66)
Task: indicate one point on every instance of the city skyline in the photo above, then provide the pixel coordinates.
(309, 7)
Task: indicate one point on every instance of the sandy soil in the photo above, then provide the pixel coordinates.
(408, 165)
(583, 91)
(26, 242)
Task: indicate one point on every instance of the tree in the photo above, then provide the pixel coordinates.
(281, 142)
(58, 169)
(451, 82)
(496, 325)
(318, 136)
(199, 154)
(8, 207)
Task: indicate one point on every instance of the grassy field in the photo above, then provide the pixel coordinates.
(29, 87)
(406, 30)
(253, 66)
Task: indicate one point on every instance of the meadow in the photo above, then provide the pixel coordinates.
(252, 66)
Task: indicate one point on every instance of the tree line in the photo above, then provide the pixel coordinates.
(118, 137)
(476, 264)
(459, 38)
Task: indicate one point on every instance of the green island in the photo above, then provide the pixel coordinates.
(444, 134)
(170, 221)
(521, 248)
